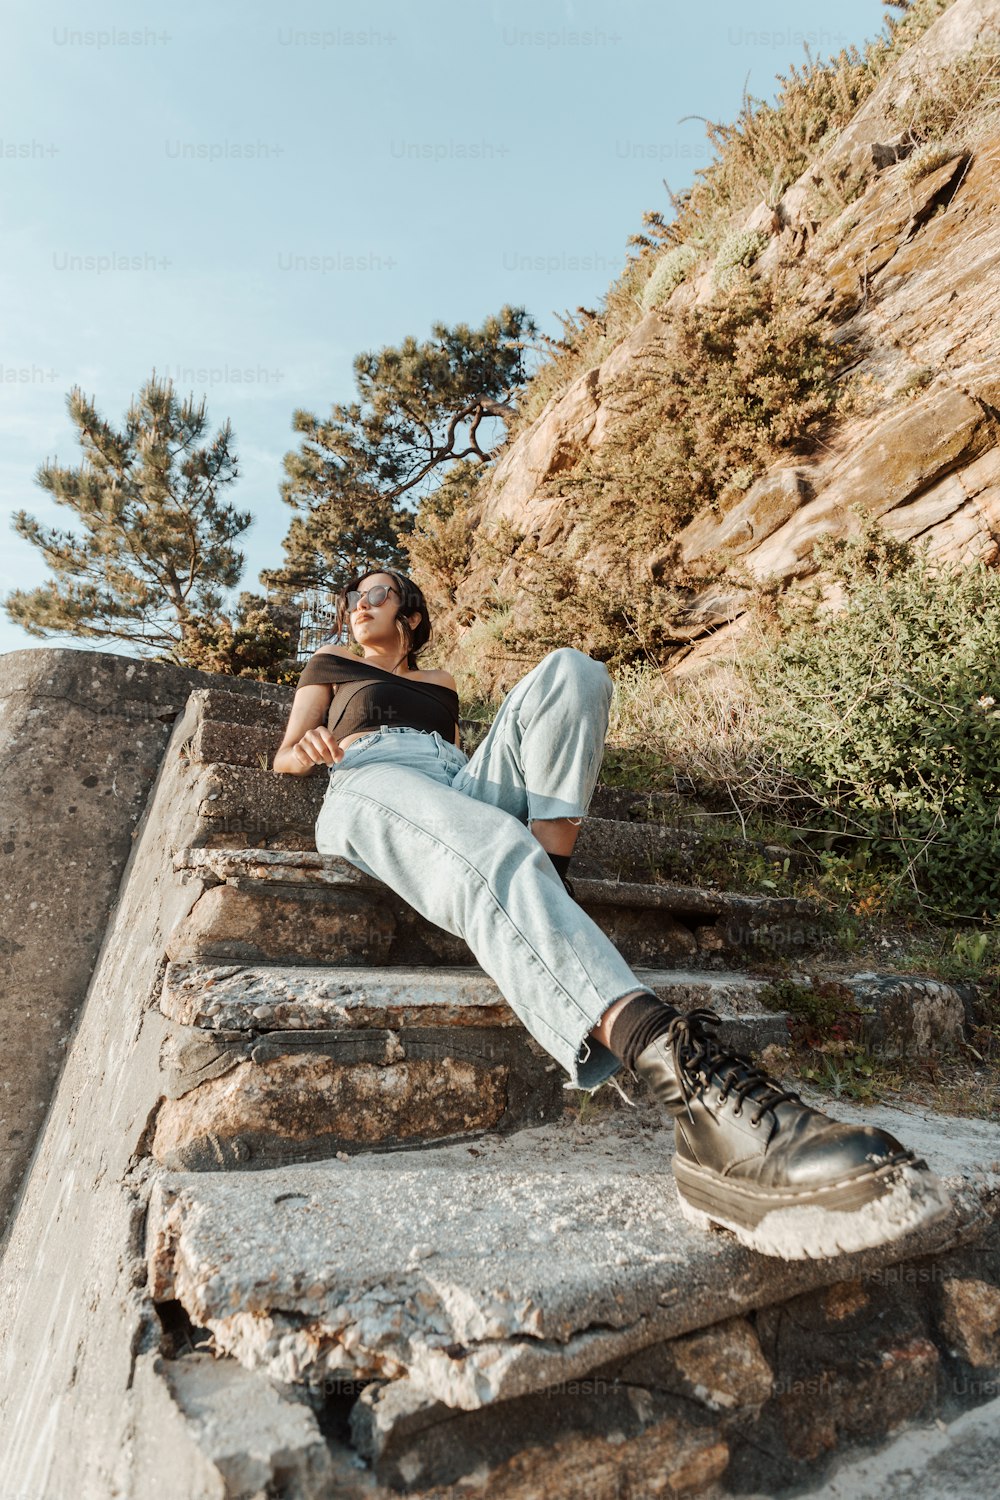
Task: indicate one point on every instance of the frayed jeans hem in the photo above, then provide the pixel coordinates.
(541, 809)
(592, 1067)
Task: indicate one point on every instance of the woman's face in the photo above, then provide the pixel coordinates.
(377, 622)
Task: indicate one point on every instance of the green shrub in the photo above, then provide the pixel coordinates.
(820, 1004)
(887, 716)
(668, 273)
(440, 543)
(562, 604)
(725, 390)
(738, 251)
(701, 413)
(925, 160)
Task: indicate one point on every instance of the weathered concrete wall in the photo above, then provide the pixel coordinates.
(73, 1311)
(81, 737)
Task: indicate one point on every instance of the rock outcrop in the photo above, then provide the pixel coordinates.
(908, 275)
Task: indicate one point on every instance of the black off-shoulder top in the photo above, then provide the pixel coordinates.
(366, 697)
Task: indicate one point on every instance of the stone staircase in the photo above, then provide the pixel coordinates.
(371, 1242)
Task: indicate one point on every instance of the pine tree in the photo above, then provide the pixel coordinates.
(440, 543)
(419, 409)
(259, 641)
(156, 546)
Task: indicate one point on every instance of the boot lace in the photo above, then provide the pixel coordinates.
(699, 1057)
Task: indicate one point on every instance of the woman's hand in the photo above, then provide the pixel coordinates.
(307, 742)
(319, 747)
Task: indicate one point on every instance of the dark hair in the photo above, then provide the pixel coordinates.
(412, 600)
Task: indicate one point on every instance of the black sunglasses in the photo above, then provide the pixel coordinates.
(376, 595)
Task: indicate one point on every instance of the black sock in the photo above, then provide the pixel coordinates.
(637, 1024)
(561, 862)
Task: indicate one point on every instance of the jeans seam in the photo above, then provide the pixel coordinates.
(537, 958)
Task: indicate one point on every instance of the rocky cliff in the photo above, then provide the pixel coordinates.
(904, 274)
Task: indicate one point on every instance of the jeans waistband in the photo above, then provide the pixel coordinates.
(432, 742)
(389, 729)
(392, 729)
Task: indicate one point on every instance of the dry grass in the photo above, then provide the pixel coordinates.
(703, 733)
(588, 337)
(954, 1085)
(958, 107)
(764, 150)
(707, 729)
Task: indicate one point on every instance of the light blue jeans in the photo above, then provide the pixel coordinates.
(451, 836)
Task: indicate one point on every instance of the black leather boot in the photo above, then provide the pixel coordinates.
(785, 1178)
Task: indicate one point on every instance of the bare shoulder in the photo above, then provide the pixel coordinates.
(442, 678)
(330, 650)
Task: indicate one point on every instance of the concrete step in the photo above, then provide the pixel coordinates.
(253, 740)
(218, 743)
(512, 1309)
(271, 905)
(274, 1065)
(236, 731)
(269, 711)
(268, 1065)
(901, 1014)
(249, 805)
(247, 998)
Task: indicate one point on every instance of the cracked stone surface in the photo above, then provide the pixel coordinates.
(906, 1014)
(237, 997)
(490, 1271)
(311, 1101)
(247, 1434)
(294, 866)
(228, 922)
(248, 998)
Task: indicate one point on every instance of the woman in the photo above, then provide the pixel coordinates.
(481, 846)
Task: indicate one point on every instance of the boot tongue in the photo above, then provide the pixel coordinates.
(739, 1076)
(700, 1053)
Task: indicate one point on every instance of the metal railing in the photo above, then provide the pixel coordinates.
(317, 622)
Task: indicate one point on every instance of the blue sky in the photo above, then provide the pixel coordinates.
(246, 195)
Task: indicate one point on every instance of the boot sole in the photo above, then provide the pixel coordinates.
(858, 1213)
